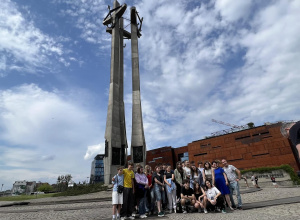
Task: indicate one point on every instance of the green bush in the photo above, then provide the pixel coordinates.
(45, 188)
(285, 167)
(82, 189)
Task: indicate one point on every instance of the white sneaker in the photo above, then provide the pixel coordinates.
(131, 217)
(143, 216)
(184, 211)
(175, 210)
(123, 218)
(205, 211)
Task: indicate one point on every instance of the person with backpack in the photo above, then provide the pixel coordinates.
(117, 193)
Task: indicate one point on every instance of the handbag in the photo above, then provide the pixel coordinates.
(120, 188)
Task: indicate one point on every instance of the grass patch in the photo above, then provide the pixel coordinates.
(26, 197)
(285, 167)
(82, 189)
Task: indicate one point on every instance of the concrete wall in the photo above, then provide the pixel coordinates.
(264, 179)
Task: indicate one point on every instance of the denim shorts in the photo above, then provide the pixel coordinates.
(157, 192)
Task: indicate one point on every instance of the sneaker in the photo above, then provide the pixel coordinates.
(118, 218)
(223, 211)
(218, 209)
(160, 214)
(143, 216)
(131, 217)
(175, 210)
(205, 211)
(184, 211)
(123, 218)
(113, 218)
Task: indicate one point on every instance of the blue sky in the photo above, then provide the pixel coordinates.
(235, 61)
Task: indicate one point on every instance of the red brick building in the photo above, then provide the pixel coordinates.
(255, 147)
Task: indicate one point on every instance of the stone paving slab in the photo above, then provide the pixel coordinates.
(264, 204)
(92, 197)
(274, 202)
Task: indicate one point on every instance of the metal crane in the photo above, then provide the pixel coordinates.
(225, 123)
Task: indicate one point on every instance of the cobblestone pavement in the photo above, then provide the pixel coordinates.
(102, 210)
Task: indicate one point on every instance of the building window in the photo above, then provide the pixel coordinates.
(200, 154)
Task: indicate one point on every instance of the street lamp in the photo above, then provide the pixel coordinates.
(1, 188)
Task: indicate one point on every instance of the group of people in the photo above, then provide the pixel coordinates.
(204, 188)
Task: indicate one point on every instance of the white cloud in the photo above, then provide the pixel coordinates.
(46, 131)
(21, 43)
(87, 16)
(93, 150)
(186, 80)
(234, 10)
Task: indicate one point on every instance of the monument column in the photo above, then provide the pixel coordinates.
(138, 144)
(115, 121)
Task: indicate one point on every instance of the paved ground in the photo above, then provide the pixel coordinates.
(268, 203)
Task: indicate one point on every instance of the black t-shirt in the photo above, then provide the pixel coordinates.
(169, 175)
(187, 192)
(162, 172)
(295, 133)
(197, 195)
(156, 176)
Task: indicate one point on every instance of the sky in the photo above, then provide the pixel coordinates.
(233, 61)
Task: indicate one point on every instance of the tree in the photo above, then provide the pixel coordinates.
(68, 177)
(45, 188)
(251, 125)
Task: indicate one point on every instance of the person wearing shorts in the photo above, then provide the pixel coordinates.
(274, 182)
(117, 198)
(158, 181)
(187, 196)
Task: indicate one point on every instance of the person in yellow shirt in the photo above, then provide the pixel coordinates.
(128, 193)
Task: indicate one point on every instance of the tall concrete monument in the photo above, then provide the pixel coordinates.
(138, 144)
(115, 132)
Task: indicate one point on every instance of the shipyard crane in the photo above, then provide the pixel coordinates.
(225, 123)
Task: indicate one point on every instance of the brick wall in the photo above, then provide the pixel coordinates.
(257, 147)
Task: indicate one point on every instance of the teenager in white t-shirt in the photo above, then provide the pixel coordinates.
(214, 198)
(187, 169)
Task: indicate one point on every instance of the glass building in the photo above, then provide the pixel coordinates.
(97, 170)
